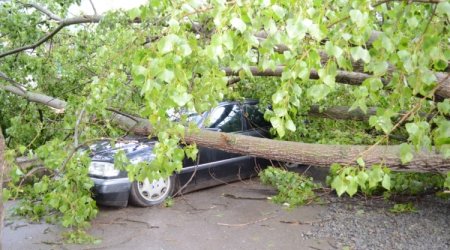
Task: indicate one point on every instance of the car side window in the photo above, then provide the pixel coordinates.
(254, 117)
(227, 118)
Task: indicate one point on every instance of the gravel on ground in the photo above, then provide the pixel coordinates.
(359, 223)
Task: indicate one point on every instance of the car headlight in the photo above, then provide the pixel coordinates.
(104, 169)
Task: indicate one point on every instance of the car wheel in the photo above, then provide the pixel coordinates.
(146, 193)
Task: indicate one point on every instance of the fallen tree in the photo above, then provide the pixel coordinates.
(303, 153)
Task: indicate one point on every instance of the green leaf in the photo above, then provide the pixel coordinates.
(276, 122)
(133, 13)
(290, 125)
(412, 128)
(295, 29)
(413, 22)
(375, 176)
(360, 53)
(406, 153)
(444, 107)
(166, 75)
(352, 186)
(386, 183)
(280, 111)
(181, 98)
(380, 68)
(361, 162)
(381, 122)
(358, 18)
(22, 149)
(332, 50)
(339, 185)
(191, 151)
(278, 96)
(238, 24)
(6, 194)
(279, 11)
(167, 43)
(318, 92)
(443, 8)
(362, 178)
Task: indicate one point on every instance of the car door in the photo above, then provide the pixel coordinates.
(217, 166)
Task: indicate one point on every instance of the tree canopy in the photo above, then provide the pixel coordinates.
(366, 81)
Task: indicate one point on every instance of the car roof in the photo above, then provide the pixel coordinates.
(246, 101)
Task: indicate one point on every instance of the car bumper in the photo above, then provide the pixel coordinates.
(112, 192)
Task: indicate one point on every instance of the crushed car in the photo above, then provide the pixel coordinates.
(112, 187)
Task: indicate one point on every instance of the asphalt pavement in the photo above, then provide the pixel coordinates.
(233, 216)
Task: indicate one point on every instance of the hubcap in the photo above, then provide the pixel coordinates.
(154, 191)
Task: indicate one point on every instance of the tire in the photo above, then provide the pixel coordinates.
(146, 194)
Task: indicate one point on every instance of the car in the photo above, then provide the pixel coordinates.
(112, 187)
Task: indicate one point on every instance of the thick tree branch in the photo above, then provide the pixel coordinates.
(36, 97)
(409, 1)
(344, 113)
(63, 23)
(48, 13)
(352, 78)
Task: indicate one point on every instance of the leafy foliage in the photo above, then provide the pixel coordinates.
(293, 189)
(403, 208)
(380, 179)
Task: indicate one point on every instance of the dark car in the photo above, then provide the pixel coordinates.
(214, 167)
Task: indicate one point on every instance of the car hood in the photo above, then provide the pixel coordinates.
(105, 150)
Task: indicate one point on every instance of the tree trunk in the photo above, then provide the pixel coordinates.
(302, 153)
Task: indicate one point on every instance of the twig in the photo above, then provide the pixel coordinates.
(31, 172)
(16, 84)
(429, 21)
(232, 196)
(141, 222)
(93, 7)
(297, 222)
(190, 179)
(245, 224)
(122, 113)
(63, 23)
(43, 10)
(75, 135)
(51, 243)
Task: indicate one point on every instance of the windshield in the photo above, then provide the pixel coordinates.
(175, 116)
